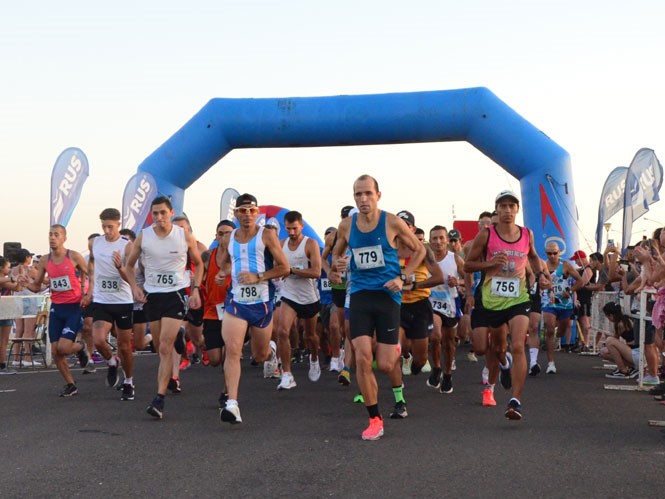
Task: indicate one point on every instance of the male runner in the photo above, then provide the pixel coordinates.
(558, 302)
(416, 321)
(300, 297)
(249, 304)
(376, 284)
(501, 252)
(164, 248)
(66, 294)
(213, 306)
(112, 302)
(444, 305)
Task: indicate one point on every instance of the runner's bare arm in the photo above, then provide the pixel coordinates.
(281, 267)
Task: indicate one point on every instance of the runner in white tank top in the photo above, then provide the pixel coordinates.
(300, 297)
(164, 248)
(112, 300)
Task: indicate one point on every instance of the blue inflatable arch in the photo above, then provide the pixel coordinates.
(474, 115)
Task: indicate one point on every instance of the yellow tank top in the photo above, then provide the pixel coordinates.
(421, 274)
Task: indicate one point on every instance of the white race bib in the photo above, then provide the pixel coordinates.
(61, 283)
(326, 285)
(163, 279)
(369, 257)
(220, 311)
(507, 287)
(109, 284)
(247, 293)
(439, 306)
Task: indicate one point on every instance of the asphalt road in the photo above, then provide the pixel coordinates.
(576, 439)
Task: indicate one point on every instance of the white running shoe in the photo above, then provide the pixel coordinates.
(471, 357)
(551, 368)
(314, 370)
(427, 368)
(287, 382)
(454, 366)
(334, 365)
(406, 365)
(230, 414)
(272, 364)
(486, 376)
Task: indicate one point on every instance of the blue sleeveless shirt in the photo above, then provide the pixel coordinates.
(373, 260)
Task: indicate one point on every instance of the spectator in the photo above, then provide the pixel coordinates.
(25, 326)
(7, 285)
(621, 348)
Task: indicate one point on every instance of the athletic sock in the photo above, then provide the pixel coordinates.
(113, 361)
(231, 402)
(533, 356)
(373, 411)
(491, 387)
(399, 394)
(129, 381)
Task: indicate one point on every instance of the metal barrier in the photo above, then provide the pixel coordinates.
(599, 321)
(27, 306)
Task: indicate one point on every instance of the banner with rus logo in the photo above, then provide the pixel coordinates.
(67, 178)
(611, 200)
(227, 204)
(139, 193)
(643, 181)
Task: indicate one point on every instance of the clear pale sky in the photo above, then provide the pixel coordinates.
(118, 79)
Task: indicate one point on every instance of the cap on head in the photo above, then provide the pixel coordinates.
(345, 211)
(226, 223)
(408, 217)
(454, 235)
(507, 195)
(22, 254)
(579, 254)
(245, 199)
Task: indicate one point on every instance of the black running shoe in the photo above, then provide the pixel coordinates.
(156, 407)
(69, 390)
(174, 385)
(534, 370)
(514, 410)
(112, 376)
(83, 356)
(658, 390)
(400, 411)
(127, 392)
(446, 384)
(506, 382)
(434, 380)
(180, 345)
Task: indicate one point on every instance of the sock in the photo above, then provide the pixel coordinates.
(504, 366)
(160, 396)
(415, 368)
(113, 361)
(231, 402)
(491, 387)
(399, 394)
(533, 356)
(129, 381)
(373, 411)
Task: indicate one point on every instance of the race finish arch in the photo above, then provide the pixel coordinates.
(474, 115)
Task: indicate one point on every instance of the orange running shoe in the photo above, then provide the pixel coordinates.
(206, 360)
(375, 429)
(488, 397)
(185, 363)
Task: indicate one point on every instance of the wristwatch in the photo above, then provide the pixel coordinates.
(259, 276)
(403, 277)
